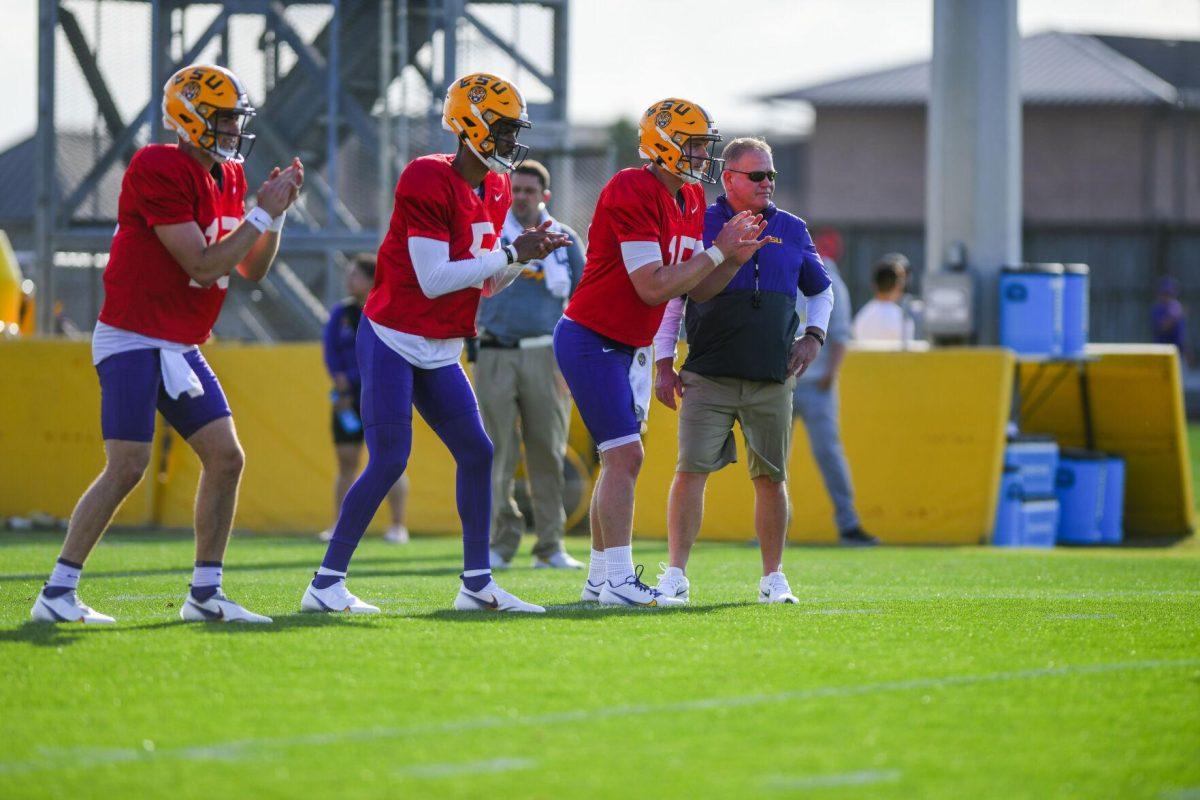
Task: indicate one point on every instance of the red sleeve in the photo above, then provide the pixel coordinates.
(634, 216)
(163, 192)
(426, 200)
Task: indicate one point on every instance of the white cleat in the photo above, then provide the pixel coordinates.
(217, 608)
(66, 608)
(497, 561)
(560, 560)
(775, 589)
(334, 599)
(591, 591)
(493, 598)
(632, 592)
(396, 534)
(673, 583)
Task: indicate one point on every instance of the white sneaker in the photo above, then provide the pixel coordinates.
(775, 589)
(496, 561)
(560, 560)
(325, 535)
(334, 598)
(591, 591)
(396, 534)
(66, 607)
(217, 608)
(673, 583)
(492, 598)
(632, 592)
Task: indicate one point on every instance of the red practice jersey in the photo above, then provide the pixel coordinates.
(435, 202)
(145, 289)
(634, 207)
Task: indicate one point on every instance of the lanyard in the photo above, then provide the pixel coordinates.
(756, 299)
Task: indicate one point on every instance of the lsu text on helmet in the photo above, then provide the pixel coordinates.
(679, 135)
(487, 114)
(207, 105)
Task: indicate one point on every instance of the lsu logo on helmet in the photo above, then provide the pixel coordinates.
(678, 135)
(487, 114)
(208, 107)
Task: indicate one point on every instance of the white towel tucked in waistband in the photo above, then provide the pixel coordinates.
(641, 381)
(178, 375)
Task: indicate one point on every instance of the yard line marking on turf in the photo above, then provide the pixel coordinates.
(83, 757)
(131, 598)
(1081, 616)
(1182, 794)
(861, 778)
(835, 611)
(489, 767)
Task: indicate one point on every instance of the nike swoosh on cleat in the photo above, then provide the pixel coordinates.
(492, 606)
(58, 617)
(219, 614)
(761, 593)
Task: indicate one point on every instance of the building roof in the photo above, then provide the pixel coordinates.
(76, 152)
(1055, 69)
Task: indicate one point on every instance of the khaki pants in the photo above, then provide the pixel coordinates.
(706, 417)
(523, 386)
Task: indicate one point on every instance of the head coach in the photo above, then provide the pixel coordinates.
(743, 357)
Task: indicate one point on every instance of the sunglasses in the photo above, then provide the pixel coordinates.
(757, 175)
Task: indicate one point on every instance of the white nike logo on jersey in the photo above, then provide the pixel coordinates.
(497, 197)
(607, 349)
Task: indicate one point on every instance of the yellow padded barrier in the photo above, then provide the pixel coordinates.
(923, 431)
(1137, 413)
(50, 446)
(924, 436)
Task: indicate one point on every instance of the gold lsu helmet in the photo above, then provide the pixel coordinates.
(478, 107)
(197, 98)
(668, 133)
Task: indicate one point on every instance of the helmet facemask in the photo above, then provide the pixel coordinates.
(694, 168)
(499, 150)
(225, 141)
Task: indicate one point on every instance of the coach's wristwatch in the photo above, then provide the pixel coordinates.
(820, 339)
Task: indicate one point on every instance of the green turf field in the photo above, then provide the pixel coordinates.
(957, 673)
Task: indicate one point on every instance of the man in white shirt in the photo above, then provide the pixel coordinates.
(883, 318)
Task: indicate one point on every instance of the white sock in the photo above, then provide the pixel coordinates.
(327, 571)
(673, 572)
(618, 563)
(596, 564)
(64, 575)
(206, 575)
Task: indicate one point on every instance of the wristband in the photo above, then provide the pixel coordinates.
(714, 254)
(276, 225)
(820, 339)
(259, 218)
(510, 251)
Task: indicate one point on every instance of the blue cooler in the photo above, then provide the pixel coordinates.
(1031, 309)
(1039, 521)
(1112, 520)
(1075, 310)
(1037, 459)
(1007, 530)
(1080, 489)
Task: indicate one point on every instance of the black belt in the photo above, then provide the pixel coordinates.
(485, 344)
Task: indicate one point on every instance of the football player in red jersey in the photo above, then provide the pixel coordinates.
(441, 253)
(182, 230)
(643, 249)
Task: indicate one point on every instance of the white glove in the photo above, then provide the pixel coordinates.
(557, 274)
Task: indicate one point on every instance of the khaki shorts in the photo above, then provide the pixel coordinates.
(710, 407)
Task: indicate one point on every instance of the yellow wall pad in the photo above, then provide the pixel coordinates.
(1137, 412)
(923, 432)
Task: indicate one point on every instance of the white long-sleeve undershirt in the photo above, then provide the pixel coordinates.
(438, 275)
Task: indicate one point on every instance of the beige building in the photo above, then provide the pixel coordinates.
(1111, 154)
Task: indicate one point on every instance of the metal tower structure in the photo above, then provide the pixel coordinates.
(352, 86)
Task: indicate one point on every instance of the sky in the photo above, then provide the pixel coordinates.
(627, 53)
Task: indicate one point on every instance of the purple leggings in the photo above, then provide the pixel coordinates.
(390, 388)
